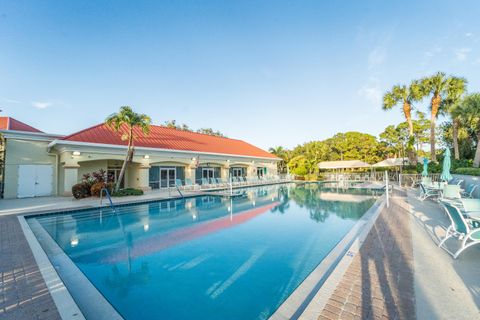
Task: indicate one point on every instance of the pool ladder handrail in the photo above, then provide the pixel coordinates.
(180, 192)
(107, 194)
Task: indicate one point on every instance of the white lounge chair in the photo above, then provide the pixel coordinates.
(459, 228)
(451, 192)
(468, 193)
(426, 192)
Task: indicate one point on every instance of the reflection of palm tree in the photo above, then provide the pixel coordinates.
(284, 200)
(123, 282)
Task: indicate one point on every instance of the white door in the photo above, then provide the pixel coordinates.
(26, 181)
(44, 180)
(34, 180)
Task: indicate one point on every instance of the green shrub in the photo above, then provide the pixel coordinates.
(80, 191)
(468, 171)
(311, 177)
(127, 192)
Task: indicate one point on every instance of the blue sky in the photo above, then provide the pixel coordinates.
(269, 72)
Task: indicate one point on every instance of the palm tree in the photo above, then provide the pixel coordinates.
(469, 113)
(451, 106)
(125, 122)
(440, 87)
(283, 154)
(401, 94)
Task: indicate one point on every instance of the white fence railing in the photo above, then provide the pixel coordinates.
(367, 176)
(412, 180)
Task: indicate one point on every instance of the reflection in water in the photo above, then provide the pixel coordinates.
(208, 256)
(122, 282)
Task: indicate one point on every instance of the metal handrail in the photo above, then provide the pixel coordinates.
(108, 197)
(181, 194)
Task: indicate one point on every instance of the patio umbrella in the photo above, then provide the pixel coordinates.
(425, 167)
(446, 176)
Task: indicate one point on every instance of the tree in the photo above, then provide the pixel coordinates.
(126, 122)
(282, 154)
(299, 165)
(172, 124)
(210, 132)
(469, 113)
(401, 94)
(440, 87)
(420, 130)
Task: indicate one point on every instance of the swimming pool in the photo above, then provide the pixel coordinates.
(207, 257)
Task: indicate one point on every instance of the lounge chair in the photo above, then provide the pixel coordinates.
(459, 228)
(451, 192)
(189, 184)
(455, 181)
(468, 193)
(179, 184)
(205, 183)
(426, 192)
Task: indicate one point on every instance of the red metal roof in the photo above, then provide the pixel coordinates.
(174, 139)
(8, 123)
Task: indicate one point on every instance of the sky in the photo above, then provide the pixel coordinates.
(268, 72)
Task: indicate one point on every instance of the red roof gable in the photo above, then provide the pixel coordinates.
(167, 138)
(8, 123)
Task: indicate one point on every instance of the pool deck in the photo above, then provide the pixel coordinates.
(399, 273)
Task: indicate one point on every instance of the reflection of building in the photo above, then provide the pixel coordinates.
(39, 164)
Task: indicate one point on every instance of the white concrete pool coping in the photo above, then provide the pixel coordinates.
(310, 297)
(65, 304)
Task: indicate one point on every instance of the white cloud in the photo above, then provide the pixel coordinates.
(372, 93)
(461, 53)
(376, 57)
(469, 34)
(41, 105)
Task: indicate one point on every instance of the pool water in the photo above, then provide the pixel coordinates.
(208, 257)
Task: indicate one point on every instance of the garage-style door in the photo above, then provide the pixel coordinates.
(35, 180)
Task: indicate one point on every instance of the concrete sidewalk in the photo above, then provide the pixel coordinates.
(444, 288)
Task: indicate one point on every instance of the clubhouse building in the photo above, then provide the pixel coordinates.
(34, 163)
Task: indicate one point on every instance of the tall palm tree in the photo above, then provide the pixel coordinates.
(440, 87)
(124, 122)
(406, 96)
(281, 153)
(451, 107)
(469, 113)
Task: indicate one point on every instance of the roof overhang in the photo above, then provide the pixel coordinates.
(70, 145)
(346, 164)
(26, 135)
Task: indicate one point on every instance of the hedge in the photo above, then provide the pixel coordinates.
(468, 171)
(127, 192)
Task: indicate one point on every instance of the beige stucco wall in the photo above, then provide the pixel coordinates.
(20, 152)
(71, 168)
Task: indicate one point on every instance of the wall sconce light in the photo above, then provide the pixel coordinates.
(146, 156)
(193, 159)
(76, 153)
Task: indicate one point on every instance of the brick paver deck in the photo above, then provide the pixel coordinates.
(379, 282)
(23, 292)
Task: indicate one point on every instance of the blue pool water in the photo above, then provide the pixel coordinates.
(208, 257)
